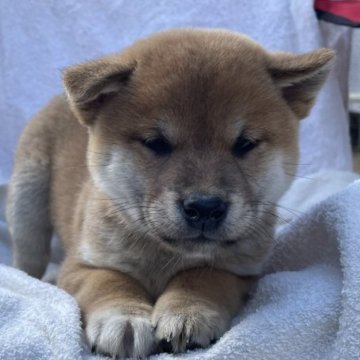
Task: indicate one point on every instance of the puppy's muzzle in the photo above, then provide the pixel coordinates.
(204, 212)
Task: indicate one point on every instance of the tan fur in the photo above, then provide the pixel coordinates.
(82, 169)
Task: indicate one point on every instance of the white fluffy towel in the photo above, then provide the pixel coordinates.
(38, 321)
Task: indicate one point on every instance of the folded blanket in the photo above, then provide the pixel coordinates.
(306, 307)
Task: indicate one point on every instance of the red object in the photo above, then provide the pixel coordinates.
(342, 12)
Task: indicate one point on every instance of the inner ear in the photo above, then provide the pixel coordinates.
(89, 85)
(104, 88)
(300, 77)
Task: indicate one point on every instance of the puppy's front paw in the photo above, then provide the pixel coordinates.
(179, 328)
(112, 332)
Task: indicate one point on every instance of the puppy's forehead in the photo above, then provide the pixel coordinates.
(198, 63)
(196, 78)
(202, 47)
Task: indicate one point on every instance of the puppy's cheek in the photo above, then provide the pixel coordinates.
(165, 216)
(268, 185)
(118, 176)
(237, 218)
(276, 179)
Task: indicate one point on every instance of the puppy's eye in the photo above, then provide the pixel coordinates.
(158, 145)
(243, 145)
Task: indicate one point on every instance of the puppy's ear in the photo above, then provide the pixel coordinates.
(300, 77)
(90, 84)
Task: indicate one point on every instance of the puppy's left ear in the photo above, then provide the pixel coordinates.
(300, 77)
(90, 84)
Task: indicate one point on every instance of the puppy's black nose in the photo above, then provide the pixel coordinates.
(204, 211)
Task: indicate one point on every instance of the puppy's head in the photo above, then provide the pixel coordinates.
(193, 133)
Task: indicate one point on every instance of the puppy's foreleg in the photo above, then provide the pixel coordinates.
(115, 307)
(197, 307)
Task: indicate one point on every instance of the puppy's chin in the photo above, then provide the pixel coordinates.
(197, 245)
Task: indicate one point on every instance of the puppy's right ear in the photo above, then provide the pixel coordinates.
(300, 77)
(90, 84)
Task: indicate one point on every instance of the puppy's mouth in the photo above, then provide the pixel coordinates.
(197, 240)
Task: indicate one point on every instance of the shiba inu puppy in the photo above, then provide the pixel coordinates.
(160, 170)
